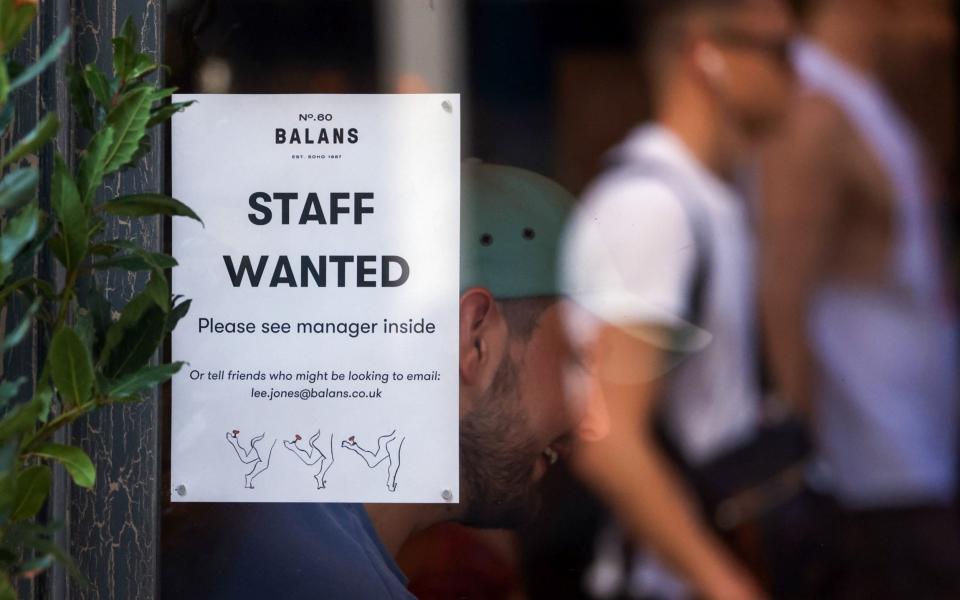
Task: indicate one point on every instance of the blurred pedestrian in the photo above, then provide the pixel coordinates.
(659, 257)
(862, 325)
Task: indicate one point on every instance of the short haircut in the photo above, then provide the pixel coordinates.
(661, 27)
(523, 314)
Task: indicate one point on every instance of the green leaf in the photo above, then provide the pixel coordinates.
(19, 419)
(133, 339)
(62, 190)
(43, 398)
(137, 345)
(143, 149)
(136, 257)
(142, 64)
(75, 460)
(57, 248)
(99, 309)
(40, 539)
(20, 331)
(123, 57)
(158, 289)
(44, 130)
(176, 313)
(161, 93)
(13, 287)
(97, 83)
(66, 203)
(15, 19)
(103, 249)
(96, 227)
(83, 324)
(93, 163)
(121, 244)
(129, 32)
(6, 117)
(9, 389)
(102, 313)
(143, 378)
(33, 566)
(7, 591)
(43, 289)
(4, 82)
(9, 455)
(23, 265)
(141, 205)
(130, 316)
(129, 120)
(18, 187)
(19, 231)
(70, 367)
(163, 113)
(79, 96)
(33, 486)
(48, 57)
(67, 561)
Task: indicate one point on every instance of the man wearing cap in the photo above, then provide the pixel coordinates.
(514, 421)
(658, 255)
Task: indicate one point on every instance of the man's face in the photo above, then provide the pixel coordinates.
(517, 428)
(758, 81)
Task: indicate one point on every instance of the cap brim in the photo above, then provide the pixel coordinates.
(676, 337)
(650, 323)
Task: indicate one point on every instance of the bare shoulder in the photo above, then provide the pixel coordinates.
(819, 112)
(821, 145)
(816, 131)
(804, 164)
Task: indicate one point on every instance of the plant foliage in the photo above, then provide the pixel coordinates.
(96, 354)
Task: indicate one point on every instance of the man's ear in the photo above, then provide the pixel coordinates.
(482, 331)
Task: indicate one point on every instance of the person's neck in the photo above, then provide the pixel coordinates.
(394, 523)
(845, 36)
(698, 121)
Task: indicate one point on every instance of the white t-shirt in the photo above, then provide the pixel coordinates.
(629, 257)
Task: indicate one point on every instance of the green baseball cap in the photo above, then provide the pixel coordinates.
(511, 221)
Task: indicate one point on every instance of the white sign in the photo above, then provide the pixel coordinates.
(322, 336)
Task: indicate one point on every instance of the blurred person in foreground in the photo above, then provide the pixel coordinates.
(514, 423)
(862, 326)
(659, 251)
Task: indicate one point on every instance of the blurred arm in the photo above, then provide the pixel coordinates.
(629, 470)
(798, 229)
